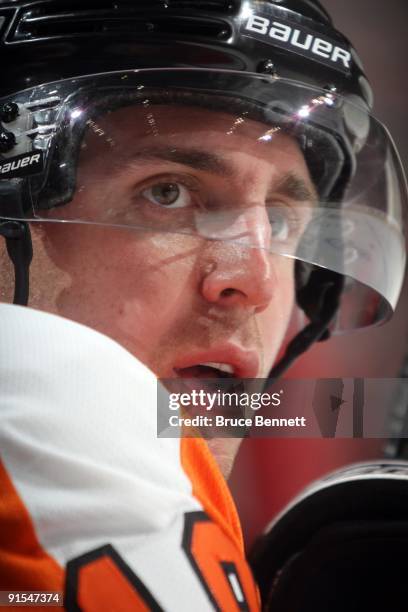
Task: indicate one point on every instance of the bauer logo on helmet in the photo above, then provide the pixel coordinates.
(300, 40)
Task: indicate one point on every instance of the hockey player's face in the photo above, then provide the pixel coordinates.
(175, 299)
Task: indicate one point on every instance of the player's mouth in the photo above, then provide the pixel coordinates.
(222, 362)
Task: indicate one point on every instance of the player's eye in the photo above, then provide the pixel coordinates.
(168, 195)
(287, 222)
(280, 222)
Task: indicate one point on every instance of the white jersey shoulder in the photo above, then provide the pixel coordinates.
(78, 440)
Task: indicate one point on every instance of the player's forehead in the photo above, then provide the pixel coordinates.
(176, 132)
(151, 119)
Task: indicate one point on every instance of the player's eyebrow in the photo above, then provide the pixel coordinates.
(194, 158)
(296, 188)
(289, 185)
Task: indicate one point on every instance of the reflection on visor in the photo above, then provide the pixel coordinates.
(245, 160)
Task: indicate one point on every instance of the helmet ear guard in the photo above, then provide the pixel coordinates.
(318, 290)
(313, 290)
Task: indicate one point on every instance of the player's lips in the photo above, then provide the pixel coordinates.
(225, 361)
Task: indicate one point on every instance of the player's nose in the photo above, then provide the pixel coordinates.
(238, 267)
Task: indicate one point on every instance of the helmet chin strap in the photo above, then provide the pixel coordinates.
(20, 251)
(317, 330)
(18, 240)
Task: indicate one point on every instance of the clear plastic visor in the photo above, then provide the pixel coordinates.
(222, 158)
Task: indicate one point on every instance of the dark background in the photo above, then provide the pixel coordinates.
(268, 473)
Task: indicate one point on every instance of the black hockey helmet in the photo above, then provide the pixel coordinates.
(70, 68)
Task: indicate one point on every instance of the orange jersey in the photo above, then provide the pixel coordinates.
(92, 503)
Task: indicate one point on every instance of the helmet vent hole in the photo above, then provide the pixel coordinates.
(59, 19)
